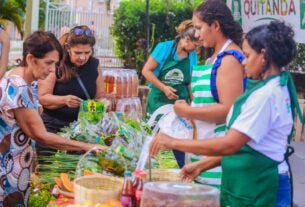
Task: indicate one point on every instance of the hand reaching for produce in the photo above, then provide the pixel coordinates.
(160, 142)
(72, 101)
(94, 147)
(170, 92)
(190, 171)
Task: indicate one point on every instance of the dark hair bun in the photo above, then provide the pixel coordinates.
(282, 36)
(277, 39)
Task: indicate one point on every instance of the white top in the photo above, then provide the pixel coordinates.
(266, 119)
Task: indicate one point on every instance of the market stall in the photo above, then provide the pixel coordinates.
(117, 176)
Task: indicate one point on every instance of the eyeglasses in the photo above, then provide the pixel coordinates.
(80, 31)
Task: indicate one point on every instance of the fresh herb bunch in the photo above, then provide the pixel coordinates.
(52, 166)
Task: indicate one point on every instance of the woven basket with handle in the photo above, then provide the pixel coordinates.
(97, 188)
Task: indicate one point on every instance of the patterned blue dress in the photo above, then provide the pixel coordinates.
(16, 148)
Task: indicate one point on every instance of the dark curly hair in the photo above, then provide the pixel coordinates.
(38, 44)
(277, 40)
(216, 10)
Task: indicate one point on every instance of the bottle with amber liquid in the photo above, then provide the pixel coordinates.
(135, 83)
(128, 198)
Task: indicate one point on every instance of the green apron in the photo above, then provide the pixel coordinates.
(250, 178)
(175, 74)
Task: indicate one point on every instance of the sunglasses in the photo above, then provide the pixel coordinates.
(80, 31)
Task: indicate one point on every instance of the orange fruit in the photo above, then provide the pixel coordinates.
(67, 184)
(87, 172)
(58, 182)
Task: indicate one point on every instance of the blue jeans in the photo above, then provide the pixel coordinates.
(284, 191)
(180, 157)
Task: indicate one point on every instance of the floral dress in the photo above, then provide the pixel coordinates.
(16, 149)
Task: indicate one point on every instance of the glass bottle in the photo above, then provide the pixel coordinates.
(128, 195)
(139, 188)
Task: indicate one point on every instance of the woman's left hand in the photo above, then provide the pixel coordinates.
(160, 142)
(190, 171)
(94, 147)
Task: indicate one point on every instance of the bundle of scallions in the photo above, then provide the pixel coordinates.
(61, 162)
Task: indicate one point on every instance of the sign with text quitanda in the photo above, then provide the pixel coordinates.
(251, 13)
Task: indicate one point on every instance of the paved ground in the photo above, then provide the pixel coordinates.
(297, 161)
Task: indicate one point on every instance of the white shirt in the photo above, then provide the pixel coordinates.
(266, 119)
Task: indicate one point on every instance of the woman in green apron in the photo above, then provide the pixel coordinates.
(212, 95)
(168, 69)
(259, 124)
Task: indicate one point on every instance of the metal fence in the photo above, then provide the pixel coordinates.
(60, 17)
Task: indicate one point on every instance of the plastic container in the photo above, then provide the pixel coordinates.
(130, 107)
(129, 83)
(120, 83)
(174, 194)
(135, 83)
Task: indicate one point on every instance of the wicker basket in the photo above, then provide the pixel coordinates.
(97, 188)
(171, 175)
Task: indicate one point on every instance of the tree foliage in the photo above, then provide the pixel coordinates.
(129, 28)
(12, 11)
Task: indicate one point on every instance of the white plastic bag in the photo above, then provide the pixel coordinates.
(176, 126)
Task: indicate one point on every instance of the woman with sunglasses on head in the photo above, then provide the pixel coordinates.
(77, 78)
(215, 85)
(169, 68)
(21, 123)
(4, 50)
(260, 125)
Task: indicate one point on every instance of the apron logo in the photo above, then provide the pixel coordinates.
(288, 105)
(174, 77)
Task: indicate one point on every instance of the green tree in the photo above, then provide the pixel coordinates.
(12, 12)
(129, 28)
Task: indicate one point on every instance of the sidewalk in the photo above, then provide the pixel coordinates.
(297, 161)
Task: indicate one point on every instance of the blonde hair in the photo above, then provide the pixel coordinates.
(186, 29)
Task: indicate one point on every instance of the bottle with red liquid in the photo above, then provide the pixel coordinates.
(128, 198)
(138, 186)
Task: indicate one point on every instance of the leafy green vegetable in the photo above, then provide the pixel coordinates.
(40, 197)
(92, 111)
